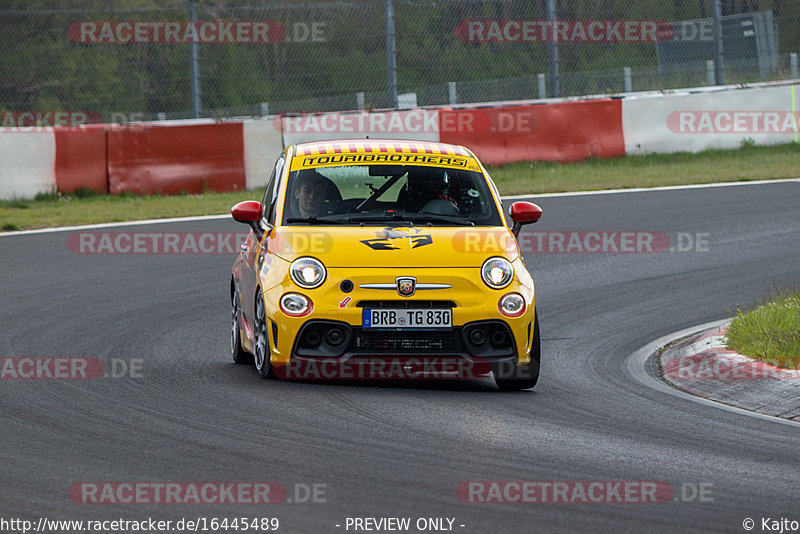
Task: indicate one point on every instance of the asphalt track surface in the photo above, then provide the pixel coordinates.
(401, 449)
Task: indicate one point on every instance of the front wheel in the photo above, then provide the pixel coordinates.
(522, 376)
(263, 364)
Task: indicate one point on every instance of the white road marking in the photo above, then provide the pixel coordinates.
(657, 188)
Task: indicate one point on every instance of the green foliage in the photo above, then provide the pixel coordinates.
(42, 69)
(771, 332)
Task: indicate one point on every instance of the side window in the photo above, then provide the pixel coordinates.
(271, 194)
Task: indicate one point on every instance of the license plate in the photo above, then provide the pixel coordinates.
(405, 318)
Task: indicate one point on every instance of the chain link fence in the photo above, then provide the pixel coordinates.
(134, 58)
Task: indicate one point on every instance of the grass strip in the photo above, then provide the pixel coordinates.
(771, 332)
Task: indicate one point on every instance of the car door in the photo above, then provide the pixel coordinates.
(255, 246)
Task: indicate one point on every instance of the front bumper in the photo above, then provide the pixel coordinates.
(472, 304)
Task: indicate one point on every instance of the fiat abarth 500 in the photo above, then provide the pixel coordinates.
(376, 251)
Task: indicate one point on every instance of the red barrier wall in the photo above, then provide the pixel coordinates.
(172, 159)
(81, 159)
(563, 131)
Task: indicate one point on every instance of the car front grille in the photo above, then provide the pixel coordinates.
(428, 341)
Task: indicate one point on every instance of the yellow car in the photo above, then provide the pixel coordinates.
(384, 259)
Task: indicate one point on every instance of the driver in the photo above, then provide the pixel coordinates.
(309, 192)
(423, 185)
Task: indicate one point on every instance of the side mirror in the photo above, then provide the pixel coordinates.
(248, 212)
(523, 213)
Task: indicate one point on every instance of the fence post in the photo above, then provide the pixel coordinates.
(391, 55)
(793, 65)
(710, 71)
(626, 72)
(195, 68)
(552, 50)
(360, 101)
(265, 109)
(719, 76)
(542, 86)
(451, 89)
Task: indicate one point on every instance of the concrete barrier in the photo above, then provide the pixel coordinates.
(175, 156)
(27, 163)
(263, 144)
(81, 159)
(174, 159)
(563, 131)
(691, 122)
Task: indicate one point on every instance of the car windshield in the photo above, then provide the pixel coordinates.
(389, 194)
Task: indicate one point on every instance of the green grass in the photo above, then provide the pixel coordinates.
(65, 210)
(747, 163)
(771, 332)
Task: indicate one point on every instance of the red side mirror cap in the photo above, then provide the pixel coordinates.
(524, 212)
(247, 212)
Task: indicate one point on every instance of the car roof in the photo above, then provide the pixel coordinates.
(401, 146)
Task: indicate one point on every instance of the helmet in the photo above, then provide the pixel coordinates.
(427, 181)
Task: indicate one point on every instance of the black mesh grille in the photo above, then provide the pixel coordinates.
(406, 304)
(275, 335)
(445, 342)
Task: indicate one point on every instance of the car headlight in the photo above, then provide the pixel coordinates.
(497, 272)
(512, 305)
(296, 305)
(307, 273)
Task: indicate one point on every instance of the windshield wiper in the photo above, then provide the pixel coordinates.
(388, 218)
(433, 217)
(325, 219)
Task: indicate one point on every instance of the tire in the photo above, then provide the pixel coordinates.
(523, 376)
(240, 356)
(261, 345)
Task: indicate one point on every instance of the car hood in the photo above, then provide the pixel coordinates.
(399, 246)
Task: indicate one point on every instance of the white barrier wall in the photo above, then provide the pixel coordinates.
(263, 144)
(691, 122)
(27, 163)
(415, 125)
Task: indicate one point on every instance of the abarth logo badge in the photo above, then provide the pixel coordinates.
(406, 286)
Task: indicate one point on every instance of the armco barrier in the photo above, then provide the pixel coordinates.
(691, 122)
(563, 131)
(27, 163)
(81, 159)
(173, 159)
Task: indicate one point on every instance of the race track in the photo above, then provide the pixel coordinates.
(401, 449)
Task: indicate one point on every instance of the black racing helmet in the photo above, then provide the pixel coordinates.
(427, 181)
